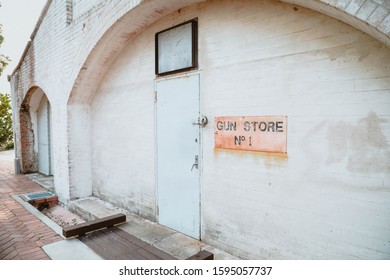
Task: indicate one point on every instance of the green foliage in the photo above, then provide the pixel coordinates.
(6, 132)
(1, 34)
(4, 60)
(10, 146)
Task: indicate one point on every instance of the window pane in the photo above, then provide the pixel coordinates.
(175, 48)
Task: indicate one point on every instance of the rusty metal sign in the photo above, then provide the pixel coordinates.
(263, 134)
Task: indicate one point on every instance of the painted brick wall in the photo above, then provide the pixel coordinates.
(322, 196)
(375, 12)
(68, 58)
(323, 200)
(59, 50)
(53, 61)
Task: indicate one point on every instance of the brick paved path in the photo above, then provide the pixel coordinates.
(21, 234)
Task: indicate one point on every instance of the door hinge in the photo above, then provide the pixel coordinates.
(155, 97)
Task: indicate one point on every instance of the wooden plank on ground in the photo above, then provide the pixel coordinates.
(159, 254)
(131, 238)
(116, 244)
(202, 255)
(108, 248)
(97, 248)
(100, 223)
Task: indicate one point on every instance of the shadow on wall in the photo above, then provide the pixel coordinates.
(359, 147)
(363, 145)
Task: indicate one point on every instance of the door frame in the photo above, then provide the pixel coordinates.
(200, 159)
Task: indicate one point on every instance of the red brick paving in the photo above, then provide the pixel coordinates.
(21, 234)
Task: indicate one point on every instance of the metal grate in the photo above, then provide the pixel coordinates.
(32, 196)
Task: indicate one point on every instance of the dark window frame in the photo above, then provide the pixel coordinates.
(194, 51)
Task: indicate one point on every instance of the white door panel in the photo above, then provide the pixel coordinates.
(44, 137)
(177, 147)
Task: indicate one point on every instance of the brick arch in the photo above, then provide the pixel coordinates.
(369, 16)
(126, 21)
(28, 150)
(123, 24)
(116, 32)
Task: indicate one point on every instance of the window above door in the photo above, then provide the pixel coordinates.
(177, 48)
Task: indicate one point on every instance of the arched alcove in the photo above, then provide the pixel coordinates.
(35, 130)
(263, 59)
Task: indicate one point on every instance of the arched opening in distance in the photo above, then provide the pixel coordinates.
(35, 130)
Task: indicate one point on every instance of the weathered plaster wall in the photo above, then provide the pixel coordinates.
(75, 41)
(124, 20)
(28, 144)
(68, 60)
(44, 66)
(122, 130)
(329, 197)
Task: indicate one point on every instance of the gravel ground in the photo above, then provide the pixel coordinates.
(62, 217)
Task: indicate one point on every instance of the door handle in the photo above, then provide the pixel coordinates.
(195, 163)
(201, 121)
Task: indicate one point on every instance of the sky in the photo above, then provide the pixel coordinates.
(18, 18)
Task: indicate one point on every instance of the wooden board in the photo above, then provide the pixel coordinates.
(83, 228)
(116, 244)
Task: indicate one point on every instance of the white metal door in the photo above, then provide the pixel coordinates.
(44, 137)
(178, 151)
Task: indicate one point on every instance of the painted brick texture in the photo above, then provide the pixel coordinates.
(69, 33)
(328, 78)
(77, 45)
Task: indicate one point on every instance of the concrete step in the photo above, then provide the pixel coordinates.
(91, 208)
(165, 239)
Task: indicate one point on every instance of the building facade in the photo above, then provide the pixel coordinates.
(260, 127)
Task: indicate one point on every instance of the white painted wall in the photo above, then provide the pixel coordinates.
(330, 198)
(81, 7)
(67, 60)
(122, 129)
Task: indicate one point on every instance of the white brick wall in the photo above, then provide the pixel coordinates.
(69, 60)
(307, 200)
(87, 28)
(329, 79)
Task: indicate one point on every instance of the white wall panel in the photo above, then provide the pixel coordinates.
(330, 197)
(122, 129)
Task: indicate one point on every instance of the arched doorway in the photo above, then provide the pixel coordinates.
(35, 128)
(44, 143)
